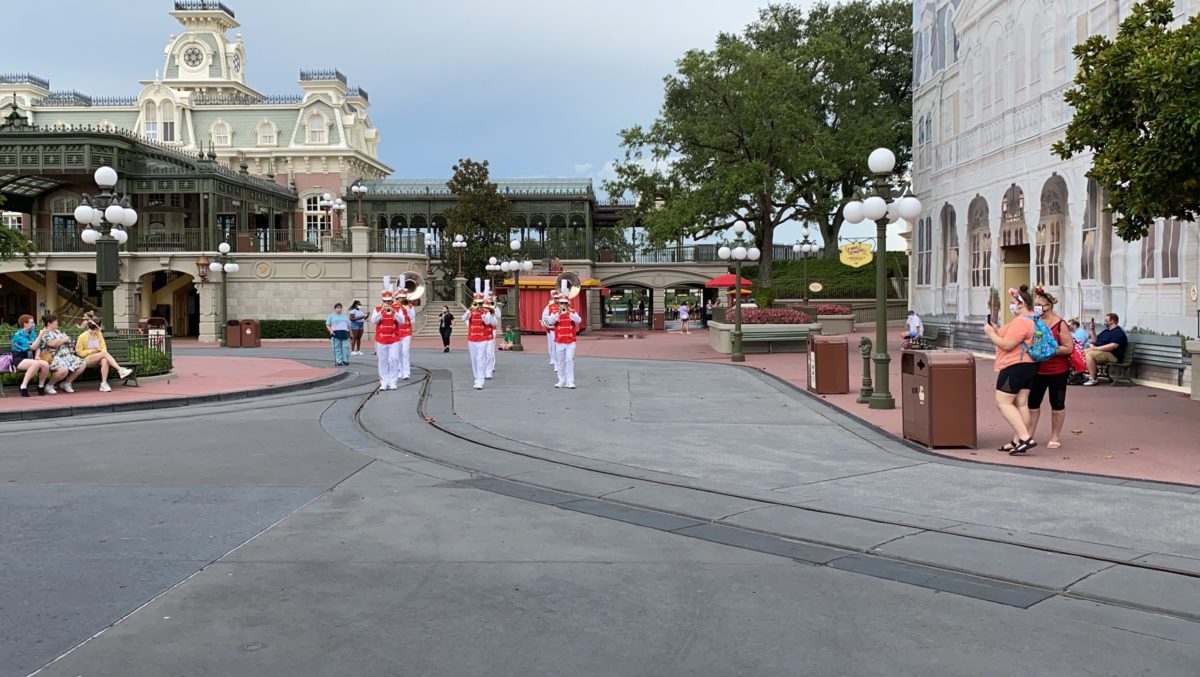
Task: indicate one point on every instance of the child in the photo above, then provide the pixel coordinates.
(510, 337)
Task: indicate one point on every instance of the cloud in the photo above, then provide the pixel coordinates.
(584, 168)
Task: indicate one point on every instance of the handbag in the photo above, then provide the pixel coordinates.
(46, 356)
(1077, 359)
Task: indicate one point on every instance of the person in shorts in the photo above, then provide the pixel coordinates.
(358, 320)
(1015, 369)
(1108, 348)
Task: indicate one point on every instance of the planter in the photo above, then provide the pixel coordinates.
(720, 335)
(1193, 348)
(836, 325)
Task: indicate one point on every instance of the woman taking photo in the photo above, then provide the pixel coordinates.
(445, 323)
(1052, 372)
(91, 347)
(357, 318)
(25, 344)
(1015, 369)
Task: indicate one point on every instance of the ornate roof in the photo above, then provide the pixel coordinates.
(577, 188)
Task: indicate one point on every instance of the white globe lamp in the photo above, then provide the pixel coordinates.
(232, 267)
(106, 177)
(853, 212)
(90, 236)
(83, 214)
(739, 227)
(115, 214)
(874, 208)
(753, 253)
(214, 267)
(514, 245)
(881, 161)
(121, 236)
(223, 247)
(909, 208)
(739, 253)
(724, 253)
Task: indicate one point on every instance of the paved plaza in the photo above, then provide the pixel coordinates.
(666, 518)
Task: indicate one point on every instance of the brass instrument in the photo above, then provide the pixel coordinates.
(569, 284)
(414, 284)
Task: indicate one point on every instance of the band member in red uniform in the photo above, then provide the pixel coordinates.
(489, 306)
(405, 317)
(478, 322)
(549, 319)
(387, 341)
(565, 328)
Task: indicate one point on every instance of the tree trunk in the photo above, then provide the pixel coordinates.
(830, 229)
(766, 254)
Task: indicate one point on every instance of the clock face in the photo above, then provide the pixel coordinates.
(193, 57)
(237, 63)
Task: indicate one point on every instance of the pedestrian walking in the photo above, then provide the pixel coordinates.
(1052, 372)
(445, 326)
(338, 326)
(357, 323)
(1015, 369)
(683, 318)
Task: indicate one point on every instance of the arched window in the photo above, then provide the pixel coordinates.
(266, 133)
(950, 244)
(998, 74)
(166, 112)
(985, 82)
(1172, 232)
(150, 121)
(981, 243)
(1049, 232)
(1019, 63)
(220, 133)
(317, 132)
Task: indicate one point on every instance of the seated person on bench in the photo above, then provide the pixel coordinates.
(1107, 348)
(91, 347)
(912, 330)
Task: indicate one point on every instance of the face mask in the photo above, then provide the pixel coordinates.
(1012, 308)
(1038, 310)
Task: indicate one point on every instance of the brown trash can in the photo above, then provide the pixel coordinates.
(251, 334)
(233, 334)
(828, 365)
(938, 397)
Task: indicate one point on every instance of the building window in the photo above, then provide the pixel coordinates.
(314, 218)
(1172, 230)
(166, 111)
(924, 251)
(176, 200)
(11, 220)
(980, 237)
(1049, 236)
(155, 200)
(950, 244)
(220, 133)
(316, 129)
(266, 134)
(150, 121)
(1148, 243)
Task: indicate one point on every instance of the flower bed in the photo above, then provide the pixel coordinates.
(835, 319)
(832, 309)
(772, 316)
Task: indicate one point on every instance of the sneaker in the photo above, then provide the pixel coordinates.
(559, 384)
(124, 372)
(50, 390)
(24, 392)
(41, 390)
(105, 388)
(478, 386)
(383, 385)
(571, 386)
(68, 388)
(1090, 382)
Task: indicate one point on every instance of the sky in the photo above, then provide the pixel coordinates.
(539, 88)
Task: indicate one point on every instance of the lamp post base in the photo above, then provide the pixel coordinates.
(737, 357)
(881, 397)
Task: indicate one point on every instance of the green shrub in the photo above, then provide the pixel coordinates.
(764, 297)
(293, 329)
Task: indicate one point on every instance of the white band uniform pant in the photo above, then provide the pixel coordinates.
(550, 348)
(389, 363)
(490, 365)
(404, 365)
(479, 351)
(565, 353)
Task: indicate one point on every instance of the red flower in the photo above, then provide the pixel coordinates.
(774, 316)
(832, 309)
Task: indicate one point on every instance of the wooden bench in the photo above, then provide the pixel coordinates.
(119, 349)
(1166, 352)
(782, 340)
(930, 333)
(1120, 373)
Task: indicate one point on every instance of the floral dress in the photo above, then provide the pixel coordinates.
(64, 355)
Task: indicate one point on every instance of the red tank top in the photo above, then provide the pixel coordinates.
(387, 331)
(1058, 364)
(405, 328)
(476, 328)
(564, 329)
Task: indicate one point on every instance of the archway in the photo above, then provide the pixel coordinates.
(1014, 243)
(628, 306)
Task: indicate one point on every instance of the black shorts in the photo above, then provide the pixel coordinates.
(1017, 377)
(1056, 384)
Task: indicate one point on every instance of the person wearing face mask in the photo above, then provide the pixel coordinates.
(1052, 372)
(1015, 369)
(1107, 348)
(25, 344)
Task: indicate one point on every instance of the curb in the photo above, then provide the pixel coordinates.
(167, 403)
(1159, 485)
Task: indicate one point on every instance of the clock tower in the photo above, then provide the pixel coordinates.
(202, 59)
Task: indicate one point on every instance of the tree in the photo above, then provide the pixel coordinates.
(773, 125)
(480, 214)
(14, 243)
(1137, 108)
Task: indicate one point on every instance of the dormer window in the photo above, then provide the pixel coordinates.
(266, 133)
(316, 129)
(150, 121)
(220, 133)
(166, 111)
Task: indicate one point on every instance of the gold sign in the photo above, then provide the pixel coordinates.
(856, 254)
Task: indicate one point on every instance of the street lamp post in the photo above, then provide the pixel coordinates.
(359, 191)
(104, 227)
(805, 247)
(515, 267)
(224, 265)
(881, 206)
(739, 252)
(459, 244)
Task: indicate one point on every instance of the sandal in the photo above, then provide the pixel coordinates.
(1009, 447)
(1022, 447)
(1053, 444)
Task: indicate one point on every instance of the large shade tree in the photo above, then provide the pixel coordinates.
(480, 214)
(1137, 108)
(773, 125)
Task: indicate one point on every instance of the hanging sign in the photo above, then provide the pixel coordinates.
(815, 287)
(856, 254)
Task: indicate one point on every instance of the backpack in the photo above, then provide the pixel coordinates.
(6, 363)
(1044, 344)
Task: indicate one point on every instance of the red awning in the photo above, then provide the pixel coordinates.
(726, 280)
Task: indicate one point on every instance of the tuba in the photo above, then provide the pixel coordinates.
(414, 284)
(568, 283)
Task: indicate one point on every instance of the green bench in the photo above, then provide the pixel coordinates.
(303, 246)
(117, 347)
(1119, 373)
(779, 341)
(1166, 352)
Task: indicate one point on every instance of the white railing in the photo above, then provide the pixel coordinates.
(1048, 113)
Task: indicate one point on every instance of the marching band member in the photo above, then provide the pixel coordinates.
(404, 334)
(489, 304)
(387, 337)
(565, 327)
(548, 321)
(478, 321)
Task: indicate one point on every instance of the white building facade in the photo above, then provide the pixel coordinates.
(1001, 209)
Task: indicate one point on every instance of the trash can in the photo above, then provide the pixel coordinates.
(938, 397)
(233, 334)
(828, 364)
(251, 334)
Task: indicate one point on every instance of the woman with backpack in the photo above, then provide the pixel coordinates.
(1053, 371)
(1016, 368)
